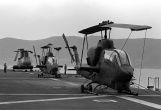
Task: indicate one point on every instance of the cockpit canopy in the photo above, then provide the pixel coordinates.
(118, 56)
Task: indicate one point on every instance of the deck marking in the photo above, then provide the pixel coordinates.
(54, 79)
(67, 82)
(150, 104)
(71, 83)
(31, 73)
(39, 94)
(47, 100)
(104, 100)
(152, 95)
(1, 94)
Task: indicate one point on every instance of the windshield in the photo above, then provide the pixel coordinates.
(124, 59)
(118, 56)
(51, 60)
(112, 56)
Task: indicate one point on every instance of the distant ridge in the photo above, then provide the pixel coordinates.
(152, 56)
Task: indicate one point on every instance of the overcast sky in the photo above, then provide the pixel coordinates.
(38, 19)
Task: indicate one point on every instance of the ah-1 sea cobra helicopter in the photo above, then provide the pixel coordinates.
(106, 65)
(24, 61)
(47, 63)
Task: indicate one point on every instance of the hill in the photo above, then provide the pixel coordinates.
(152, 56)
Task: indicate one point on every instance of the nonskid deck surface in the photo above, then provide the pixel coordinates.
(24, 91)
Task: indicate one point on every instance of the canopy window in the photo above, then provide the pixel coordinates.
(118, 56)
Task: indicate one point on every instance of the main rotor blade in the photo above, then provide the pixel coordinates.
(16, 56)
(35, 54)
(107, 25)
(67, 46)
(128, 26)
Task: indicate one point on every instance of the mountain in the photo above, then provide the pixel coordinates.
(134, 47)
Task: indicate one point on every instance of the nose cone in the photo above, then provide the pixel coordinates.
(126, 73)
(127, 69)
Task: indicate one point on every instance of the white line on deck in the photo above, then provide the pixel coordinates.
(31, 73)
(38, 94)
(1, 94)
(47, 100)
(104, 100)
(150, 104)
(71, 83)
(54, 79)
(67, 82)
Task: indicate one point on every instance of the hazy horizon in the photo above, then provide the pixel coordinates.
(66, 36)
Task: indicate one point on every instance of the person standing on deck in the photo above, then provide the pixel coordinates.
(5, 67)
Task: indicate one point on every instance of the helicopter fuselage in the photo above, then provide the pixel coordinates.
(113, 66)
(24, 61)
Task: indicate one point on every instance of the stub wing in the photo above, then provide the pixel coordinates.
(40, 66)
(86, 68)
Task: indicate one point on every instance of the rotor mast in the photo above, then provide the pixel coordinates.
(108, 28)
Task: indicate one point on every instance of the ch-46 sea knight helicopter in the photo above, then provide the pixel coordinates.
(23, 61)
(106, 65)
(47, 62)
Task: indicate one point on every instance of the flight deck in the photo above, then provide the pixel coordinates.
(25, 91)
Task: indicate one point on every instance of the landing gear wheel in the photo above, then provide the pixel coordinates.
(82, 88)
(132, 93)
(40, 75)
(119, 91)
(58, 76)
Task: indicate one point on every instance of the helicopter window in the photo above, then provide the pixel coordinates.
(124, 59)
(51, 60)
(112, 56)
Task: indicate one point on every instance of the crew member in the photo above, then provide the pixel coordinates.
(5, 67)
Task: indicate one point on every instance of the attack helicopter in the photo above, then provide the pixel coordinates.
(106, 65)
(23, 61)
(47, 62)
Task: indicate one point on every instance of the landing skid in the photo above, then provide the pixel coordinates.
(87, 89)
(129, 92)
(42, 75)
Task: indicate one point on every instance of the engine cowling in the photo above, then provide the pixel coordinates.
(93, 53)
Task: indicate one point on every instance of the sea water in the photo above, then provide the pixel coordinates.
(144, 74)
